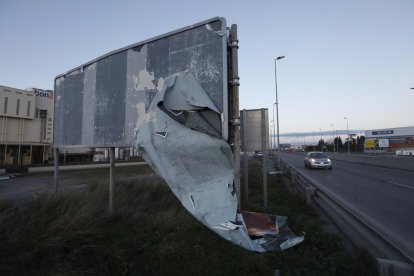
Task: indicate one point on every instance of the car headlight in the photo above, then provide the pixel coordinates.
(329, 160)
(312, 160)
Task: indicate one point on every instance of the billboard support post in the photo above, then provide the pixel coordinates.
(245, 159)
(264, 134)
(56, 168)
(234, 110)
(111, 178)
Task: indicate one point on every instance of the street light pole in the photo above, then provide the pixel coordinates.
(277, 115)
(320, 141)
(271, 134)
(337, 141)
(333, 136)
(313, 135)
(347, 130)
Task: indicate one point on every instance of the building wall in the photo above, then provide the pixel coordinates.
(397, 139)
(26, 125)
(390, 132)
(17, 103)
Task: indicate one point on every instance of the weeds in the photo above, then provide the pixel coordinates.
(150, 233)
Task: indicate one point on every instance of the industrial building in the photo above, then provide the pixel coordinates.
(394, 140)
(26, 126)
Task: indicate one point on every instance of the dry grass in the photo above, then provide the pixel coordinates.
(150, 233)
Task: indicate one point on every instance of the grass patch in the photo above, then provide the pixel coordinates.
(150, 233)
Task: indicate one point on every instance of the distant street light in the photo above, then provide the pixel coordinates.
(277, 115)
(347, 130)
(333, 136)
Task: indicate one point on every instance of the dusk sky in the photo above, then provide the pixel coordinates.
(343, 58)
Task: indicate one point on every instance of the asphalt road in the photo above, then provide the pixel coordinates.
(23, 187)
(385, 195)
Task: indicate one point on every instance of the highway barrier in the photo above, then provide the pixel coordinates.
(394, 257)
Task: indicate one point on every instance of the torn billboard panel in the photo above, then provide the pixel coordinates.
(107, 98)
(198, 167)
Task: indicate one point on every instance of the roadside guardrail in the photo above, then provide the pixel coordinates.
(393, 258)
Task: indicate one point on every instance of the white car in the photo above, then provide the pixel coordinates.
(317, 159)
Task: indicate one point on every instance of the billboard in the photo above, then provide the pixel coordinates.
(167, 96)
(383, 143)
(254, 130)
(102, 103)
(369, 143)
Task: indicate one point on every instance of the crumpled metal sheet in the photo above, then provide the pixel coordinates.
(194, 161)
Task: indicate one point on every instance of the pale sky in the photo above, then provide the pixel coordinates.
(343, 58)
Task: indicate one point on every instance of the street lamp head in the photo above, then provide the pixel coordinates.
(346, 118)
(280, 57)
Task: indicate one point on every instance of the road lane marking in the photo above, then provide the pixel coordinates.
(402, 185)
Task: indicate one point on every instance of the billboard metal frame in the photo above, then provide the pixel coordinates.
(225, 112)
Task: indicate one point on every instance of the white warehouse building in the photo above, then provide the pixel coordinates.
(26, 126)
(394, 140)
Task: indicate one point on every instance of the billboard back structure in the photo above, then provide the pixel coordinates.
(168, 97)
(254, 130)
(100, 103)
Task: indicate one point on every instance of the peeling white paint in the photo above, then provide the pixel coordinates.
(144, 80)
(59, 80)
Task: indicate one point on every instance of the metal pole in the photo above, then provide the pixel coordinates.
(56, 168)
(264, 134)
(313, 134)
(234, 115)
(347, 130)
(5, 154)
(271, 134)
(111, 178)
(321, 140)
(245, 159)
(277, 116)
(337, 142)
(18, 156)
(274, 130)
(333, 137)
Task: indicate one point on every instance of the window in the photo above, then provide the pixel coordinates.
(43, 113)
(6, 101)
(43, 116)
(18, 107)
(28, 108)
